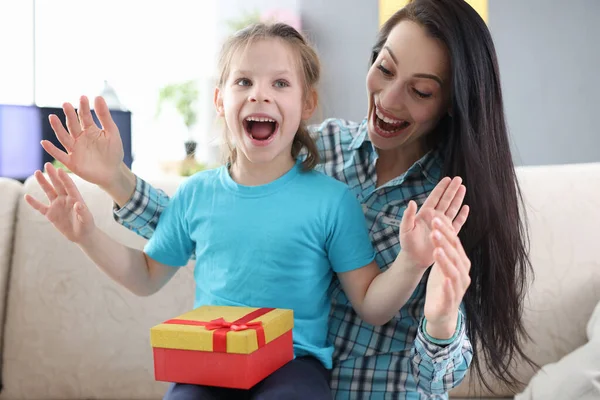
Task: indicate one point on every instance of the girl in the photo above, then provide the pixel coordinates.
(266, 229)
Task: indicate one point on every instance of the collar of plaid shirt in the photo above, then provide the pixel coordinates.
(429, 166)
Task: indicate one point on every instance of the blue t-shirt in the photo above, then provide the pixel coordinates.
(273, 245)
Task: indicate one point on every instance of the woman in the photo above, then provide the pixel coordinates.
(435, 110)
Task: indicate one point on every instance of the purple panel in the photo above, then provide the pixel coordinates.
(20, 135)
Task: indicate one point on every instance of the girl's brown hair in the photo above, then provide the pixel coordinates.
(310, 71)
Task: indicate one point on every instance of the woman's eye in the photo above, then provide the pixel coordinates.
(384, 70)
(243, 82)
(421, 94)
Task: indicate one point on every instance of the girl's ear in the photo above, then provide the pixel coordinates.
(218, 100)
(310, 104)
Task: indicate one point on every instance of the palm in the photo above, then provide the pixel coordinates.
(74, 223)
(95, 155)
(416, 241)
(62, 215)
(444, 201)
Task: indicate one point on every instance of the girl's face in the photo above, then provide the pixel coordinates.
(408, 87)
(262, 101)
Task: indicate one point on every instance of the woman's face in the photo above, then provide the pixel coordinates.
(408, 87)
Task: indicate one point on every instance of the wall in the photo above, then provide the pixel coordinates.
(344, 32)
(549, 56)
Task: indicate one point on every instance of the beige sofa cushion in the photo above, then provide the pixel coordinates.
(563, 208)
(71, 332)
(10, 191)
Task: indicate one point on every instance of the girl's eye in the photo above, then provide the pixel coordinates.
(384, 70)
(281, 84)
(243, 82)
(421, 94)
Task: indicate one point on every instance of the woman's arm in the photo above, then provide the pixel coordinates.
(425, 236)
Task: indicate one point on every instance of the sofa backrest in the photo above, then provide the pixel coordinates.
(71, 332)
(10, 192)
(563, 209)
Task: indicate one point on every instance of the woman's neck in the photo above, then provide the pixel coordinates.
(247, 173)
(394, 162)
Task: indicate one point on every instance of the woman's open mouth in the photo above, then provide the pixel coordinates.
(387, 126)
(261, 129)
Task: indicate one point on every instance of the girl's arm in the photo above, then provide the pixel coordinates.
(68, 213)
(378, 296)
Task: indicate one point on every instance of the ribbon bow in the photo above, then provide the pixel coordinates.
(220, 323)
(221, 327)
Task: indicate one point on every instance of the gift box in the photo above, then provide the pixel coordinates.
(233, 347)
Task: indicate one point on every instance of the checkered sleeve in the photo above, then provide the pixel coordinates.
(438, 369)
(141, 213)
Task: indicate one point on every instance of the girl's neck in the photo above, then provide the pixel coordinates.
(247, 173)
(394, 162)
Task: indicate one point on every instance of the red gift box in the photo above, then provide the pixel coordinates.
(233, 347)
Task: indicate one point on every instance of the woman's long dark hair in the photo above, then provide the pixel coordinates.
(477, 149)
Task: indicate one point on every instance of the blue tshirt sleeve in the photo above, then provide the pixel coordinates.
(171, 243)
(348, 244)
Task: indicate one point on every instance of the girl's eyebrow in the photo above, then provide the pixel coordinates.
(245, 72)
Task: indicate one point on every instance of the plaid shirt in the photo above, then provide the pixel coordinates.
(393, 361)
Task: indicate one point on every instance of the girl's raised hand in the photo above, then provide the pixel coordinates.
(67, 210)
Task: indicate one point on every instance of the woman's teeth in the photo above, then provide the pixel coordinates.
(386, 119)
(389, 125)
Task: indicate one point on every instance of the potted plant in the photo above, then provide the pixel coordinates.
(183, 96)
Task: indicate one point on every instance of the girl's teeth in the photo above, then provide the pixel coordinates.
(259, 119)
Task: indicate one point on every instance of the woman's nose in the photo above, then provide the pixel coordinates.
(392, 97)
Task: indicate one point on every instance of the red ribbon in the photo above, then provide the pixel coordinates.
(221, 327)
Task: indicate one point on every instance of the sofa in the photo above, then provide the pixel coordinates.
(69, 332)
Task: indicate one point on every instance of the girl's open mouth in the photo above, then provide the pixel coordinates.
(260, 129)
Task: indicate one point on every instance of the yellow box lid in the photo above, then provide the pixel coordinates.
(195, 331)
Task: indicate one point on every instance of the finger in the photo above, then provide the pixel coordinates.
(462, 260)
(457, 201)
(84, 216)
(72, 120)
(56, 152)
(454, 270)
(444, 225)
(45, 185)
(85, 115)
(69, 185)
(56, 182)
(61, 134)
(460, 219)
(452, 274)
(436, 194)
(448, 267)
(449, 195)
(408, 218)
(458, 262)
(42, 208)
(104, 116)
(442, 243)
(451, 236)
